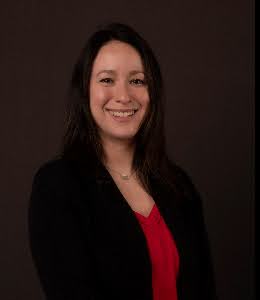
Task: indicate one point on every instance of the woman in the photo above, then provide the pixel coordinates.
(112, 217)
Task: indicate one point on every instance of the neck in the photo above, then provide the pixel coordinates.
(119, 155)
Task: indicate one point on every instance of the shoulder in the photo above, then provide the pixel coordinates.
(183, 184)
(55, 188)
(183, 178)
(63, 177)
(59, 178)
(62, 169)
(54, 171)
(179, 176)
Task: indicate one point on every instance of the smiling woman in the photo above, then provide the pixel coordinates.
(118, 92)
(113, 217)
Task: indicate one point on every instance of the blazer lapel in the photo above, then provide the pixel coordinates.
(120, 229)
(111, 201)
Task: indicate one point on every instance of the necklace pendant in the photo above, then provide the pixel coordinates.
(124, 176)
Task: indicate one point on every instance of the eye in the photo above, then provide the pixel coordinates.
(106, 80)
(137, 82)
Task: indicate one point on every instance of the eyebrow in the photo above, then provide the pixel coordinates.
(133, 72)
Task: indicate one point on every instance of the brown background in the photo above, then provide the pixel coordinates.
(205, 49)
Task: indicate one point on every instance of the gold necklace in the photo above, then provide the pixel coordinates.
(122, 175)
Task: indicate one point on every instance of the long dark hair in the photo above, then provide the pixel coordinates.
(81, 134)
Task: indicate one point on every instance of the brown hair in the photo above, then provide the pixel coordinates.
(81, 134)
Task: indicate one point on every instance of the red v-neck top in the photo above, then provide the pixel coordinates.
(163, 253)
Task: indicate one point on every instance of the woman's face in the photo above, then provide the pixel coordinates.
(119, 95)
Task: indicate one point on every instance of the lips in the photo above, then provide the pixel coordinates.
(122, 110)
(122, 115)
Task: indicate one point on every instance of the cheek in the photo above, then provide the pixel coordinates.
(139, 94)
(98, 97)
(143, 97)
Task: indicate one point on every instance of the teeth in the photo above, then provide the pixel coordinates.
(121, 114)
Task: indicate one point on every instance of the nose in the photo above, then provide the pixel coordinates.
(122, 93)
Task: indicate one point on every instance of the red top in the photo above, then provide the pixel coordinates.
(163, 254)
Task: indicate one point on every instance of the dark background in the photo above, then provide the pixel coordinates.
(205, 49)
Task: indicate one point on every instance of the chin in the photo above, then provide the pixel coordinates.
(120, 136)
(124, 137)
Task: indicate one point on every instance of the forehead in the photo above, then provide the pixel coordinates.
(118, 55)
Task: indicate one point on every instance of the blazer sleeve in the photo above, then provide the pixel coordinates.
(196, 215)
(60, 254)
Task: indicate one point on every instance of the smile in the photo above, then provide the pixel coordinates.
(124, 113)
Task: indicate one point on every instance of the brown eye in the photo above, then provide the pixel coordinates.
(137, 82)
(106, 80)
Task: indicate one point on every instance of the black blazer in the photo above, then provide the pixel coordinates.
(87, 244)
